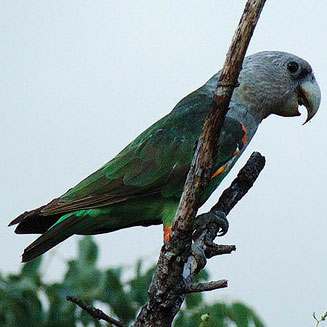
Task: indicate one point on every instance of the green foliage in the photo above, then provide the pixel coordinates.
(322, 318)
(218, 315)
(26, 300)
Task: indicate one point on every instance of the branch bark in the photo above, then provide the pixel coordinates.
(167, 291)
(204, 287)
(94, 312)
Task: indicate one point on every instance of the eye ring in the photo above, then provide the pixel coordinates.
(293, 67)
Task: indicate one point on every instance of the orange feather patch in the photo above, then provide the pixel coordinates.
(245, 136)
(219, 171)
(166, 230)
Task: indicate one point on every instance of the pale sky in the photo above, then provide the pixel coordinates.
(80, 79)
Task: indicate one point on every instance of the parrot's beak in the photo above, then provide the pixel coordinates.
(309, 95)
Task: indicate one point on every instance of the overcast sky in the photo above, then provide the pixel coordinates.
(80, 79)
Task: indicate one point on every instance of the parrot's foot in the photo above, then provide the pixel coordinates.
(217, 217)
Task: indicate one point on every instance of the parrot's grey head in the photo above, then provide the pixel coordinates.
(274, 82)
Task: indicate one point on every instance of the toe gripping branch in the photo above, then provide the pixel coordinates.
(208, 225)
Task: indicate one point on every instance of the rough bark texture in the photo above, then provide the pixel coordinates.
(167, 291)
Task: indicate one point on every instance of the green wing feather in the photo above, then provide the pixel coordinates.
(156, 161)
(140, 186)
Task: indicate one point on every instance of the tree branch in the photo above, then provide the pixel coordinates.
(218, 249)
(204, 287)
(241, 184)
(201, 168)
(167, 291)
(94, 312)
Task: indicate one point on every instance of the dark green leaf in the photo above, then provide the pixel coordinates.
(87, 250)
(25, 300)
(31, 268)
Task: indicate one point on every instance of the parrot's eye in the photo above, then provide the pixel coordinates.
(292, 67)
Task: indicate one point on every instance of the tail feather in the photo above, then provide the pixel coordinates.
(33, 222)
(52, 237)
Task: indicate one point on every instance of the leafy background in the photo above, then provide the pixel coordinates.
(26, 300)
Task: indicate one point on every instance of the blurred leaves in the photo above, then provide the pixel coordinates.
(25, 300)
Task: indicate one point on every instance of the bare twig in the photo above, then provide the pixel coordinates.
(96, 313)
(322, 318)
(209, 286)
(218, 249)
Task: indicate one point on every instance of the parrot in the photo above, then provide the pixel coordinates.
(142, 184)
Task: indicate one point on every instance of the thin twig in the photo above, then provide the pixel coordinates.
(322, 318)
(94, 312)
(218, 249)
(209, 286)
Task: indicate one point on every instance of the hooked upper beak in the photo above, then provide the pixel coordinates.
(309, 95)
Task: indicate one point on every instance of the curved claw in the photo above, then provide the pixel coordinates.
(222, 223)
(218, 217)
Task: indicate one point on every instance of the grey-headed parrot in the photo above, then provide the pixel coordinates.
(143, 184)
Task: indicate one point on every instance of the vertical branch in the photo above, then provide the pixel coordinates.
(201, 168)
(168, 288)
